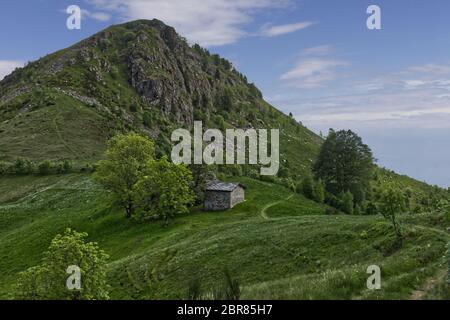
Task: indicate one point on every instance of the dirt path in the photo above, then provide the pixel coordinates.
(430, 283)
(419, 294)
(270, 205)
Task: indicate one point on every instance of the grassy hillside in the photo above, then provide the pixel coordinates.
(142, 76)
(139, 76)
(277, 244)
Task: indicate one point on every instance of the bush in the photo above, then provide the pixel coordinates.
(307, 187)
(3, 168)
(47, 281)
(21, 167)
(45, 167)
(347, 202)
(333, 201)
(64, 167)
(319, 192)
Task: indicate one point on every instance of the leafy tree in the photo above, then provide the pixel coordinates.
(48, 281)
(45, 167)
(22, 166)
(66, 166)
(319, 192)
(127, 157)
(166, 189)
(391, 203)
(347, 202)
(344, 163)
(307, 187)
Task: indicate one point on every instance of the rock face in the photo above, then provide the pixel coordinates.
(139, 76)
(157, 67)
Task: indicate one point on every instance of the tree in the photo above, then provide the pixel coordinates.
(307, 187)
(347, 202)
(392, 202)
(48, 281)
(45, 167)
(165, 189)
(22, 166)
(344, 164)
(64, 167)
(319, 192)
(127, 157)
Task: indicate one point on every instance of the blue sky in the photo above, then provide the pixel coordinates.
(314, 58)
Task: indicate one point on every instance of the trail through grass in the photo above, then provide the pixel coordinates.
(270, 205)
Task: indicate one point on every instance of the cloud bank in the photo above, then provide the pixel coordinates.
(208, 23)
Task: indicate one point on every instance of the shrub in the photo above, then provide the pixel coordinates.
(47, 281)
(3, 168)
(64, 167)
(45, 167)
(333, 201)
(319, 192)
(22, 166)
(307, 187)
(347, 202)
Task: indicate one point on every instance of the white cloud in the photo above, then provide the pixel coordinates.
(417, 97)
(312, 72)
(319, 50)
(209, 23)
(7, 66)
(432, 69)
(413, 109)
(99, 16)
(273, 31)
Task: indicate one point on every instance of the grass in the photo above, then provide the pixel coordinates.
(66, 130)
(294, 252)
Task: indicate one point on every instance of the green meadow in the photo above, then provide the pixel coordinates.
(277, 244)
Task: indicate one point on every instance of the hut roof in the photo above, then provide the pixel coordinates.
(223, 186)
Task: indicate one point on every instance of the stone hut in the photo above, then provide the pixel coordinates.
(223, 196)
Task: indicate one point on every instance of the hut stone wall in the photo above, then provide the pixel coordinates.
(217, 200)
(237, 196)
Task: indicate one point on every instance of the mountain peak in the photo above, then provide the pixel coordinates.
(137, 76)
